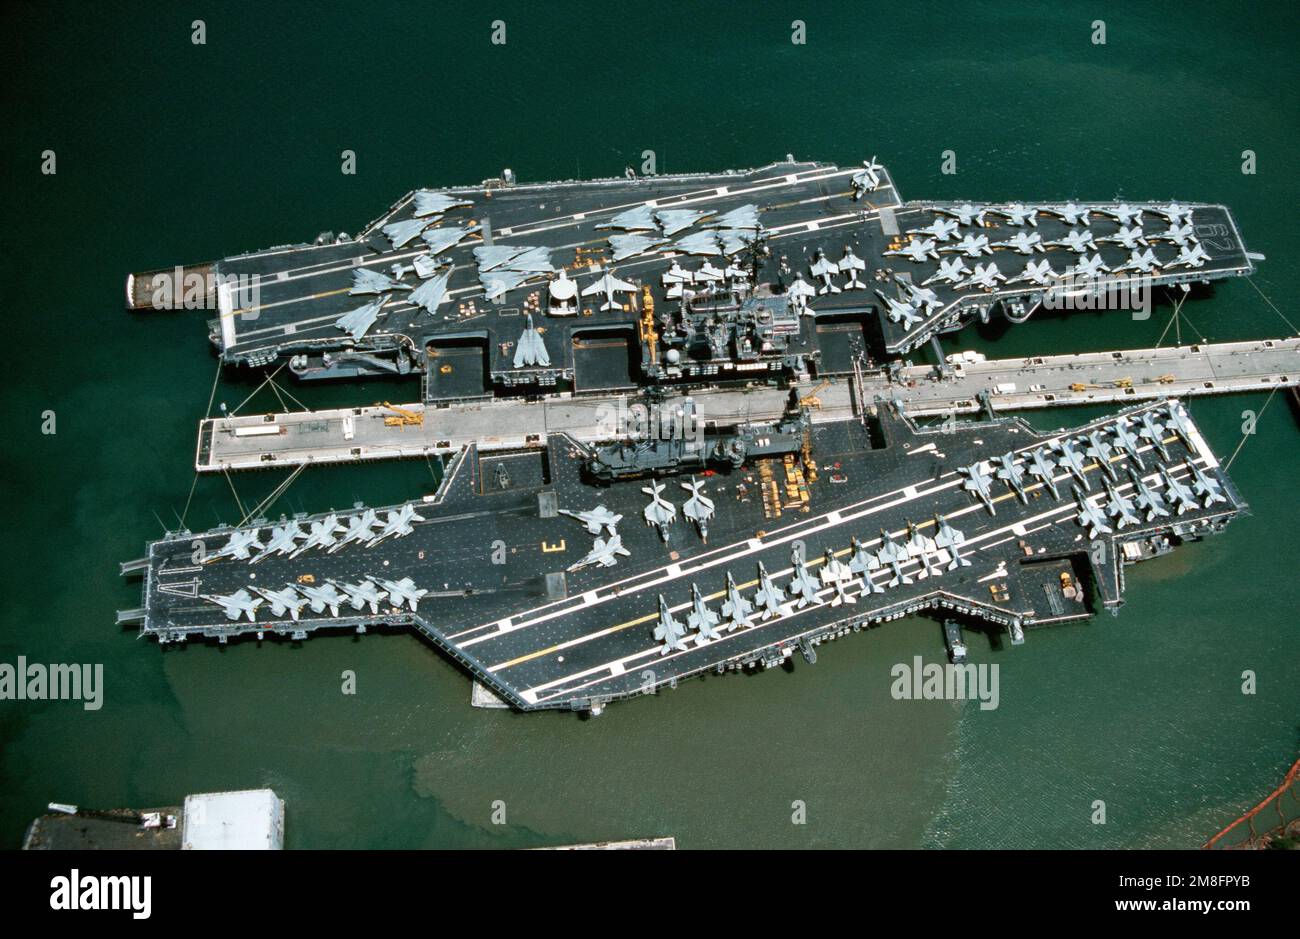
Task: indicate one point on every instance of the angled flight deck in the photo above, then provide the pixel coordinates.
(557, 593)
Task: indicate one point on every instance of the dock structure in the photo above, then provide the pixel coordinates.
(506, 581)
(370, 433)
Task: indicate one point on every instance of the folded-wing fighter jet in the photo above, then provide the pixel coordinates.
(1147, 498)
(322, 535)
(1023, 243)
(283, 601)
(359, 529)
(921, 547)
(1014, 476)
(1118, 507)
(941, 229)
(1100, 451)
(802, 587)
(1193, 256)
(893, 555)
(1178, 234)
(1090, 517)
(669, 631)
(736, 610)
(284, 539)
(701, 619)
(699, 507)
(866, 179)
(402, 591)
(977, 482)
(610, 286)
(1127, 441)
(985, 276)
(824, 268)
(1176, 494)
(1043, 466)
(1076, 241)
(1179, 423)
(1122, 213)
(1035, 272)
(863, 563)
(1087, 268)
(1154, 430)
(596, 520)
(800, 291)
(965, 213)
(1130, 238)
(1206, 486)
(1142, 261)
(397, 524)
(323, 597)
(899, 311)
(972, 246)
(1072, 461)
(1174, 213)
(240, 546)
(240, 603)
(851, 264)
(1070, 213)
(660, 512)
(950, 539)
(366, 593)
(950, 271)
(916, 249)
(769, 598)
(1016, 214)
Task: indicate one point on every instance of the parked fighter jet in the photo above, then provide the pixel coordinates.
(237, 604)
(1023, 243)
(1179, 423)
(920, 546)
(669, 631)
(638, 219)
(863, 563)
(326, 595)
(985, 276)
(1087, 268)
(950, 271)
(530, 350)
(1100, 451)
(1146, 498)
(402, 591)
(906, 313)
(1122, 213)
(770, 600)
(736, 610)
(283, 601)
(405, 231)
(851, 264)
(1206, 486)
(429, 203)
(363, 594)
(610, 286)
(923, 298)
(432, 293)
(603, 552)
(1042, 466)
(660, 512)
(1070, 213)
(596, 520)
(950, 539)
(701, 619)
(977, 483)
(1130, 238)
(1193, 256)
(972, 246)
(322, 534)
(1176, 493)
(1070, 460)
(440, 239)
(965, 213)
(1035, 272)
(802, 587)
(1128, 441)
(359, 529)
(1118, 507)
(397, 524)
(836, 575)
(369, 280)
(699, 507)
(356, 323)
(1174, 213)
(826, 269)
(1178, 234)
(703, 243)
(1142, 261)
(671, 221)
(284, 539)
(1016, 214)
(917, 249)
(890, 553)
(1015, 477)
(1154, 430)
(240, 546)
(866, 179)
(1076, 241)
(625, 246)
(941, 229)
(1092, 520)
(799, 293)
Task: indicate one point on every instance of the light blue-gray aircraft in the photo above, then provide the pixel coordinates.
(660, 512)
(1035, 272)
(864, 563)
(440, 239)
(283, 540)
(977, 483)
(322, 535)
(1118, 507)
(669, 631)
(403, 232)
(1130, 238)
(921, 547)
(611, 287)
(1042, 466)
(699, 507)
(402, 591)
(326, 596)
(1070, 460)
(240, 546)
(429, 203)
(530, 350)
(1128, 441)
(802, 587)
(891, 554)
(1013, 474)
(1069, 213)
(770, 600)
(368, 280)
(1123, 213)
(1090, 517)
(736, 609)
(671, 221)
(971, 246)
(626, 246)
(397, 524)
(918, 249)
(240, 603)
(951, 539)
(965, 213)
(366, 593)
(701, 618)
(1146, 498)
(744, 217)
(357, 323)
(1076, 241)
(836, 575)
(1016, 214)
(604, 551)
(1023, 243)
(1206, 486)
(432, 293)
(1154, 430)
(639, 218)
(596, 520)
(283, 601)
(359, 529)
(703, 243)
(1180, 424)
(866, 179)
(985, 277)
(941, 229)
(1176, 494)
(899, 311)
(1100, 451)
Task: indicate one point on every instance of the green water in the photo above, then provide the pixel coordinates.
(172, 153)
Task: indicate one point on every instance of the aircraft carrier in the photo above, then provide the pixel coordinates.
(722, 472)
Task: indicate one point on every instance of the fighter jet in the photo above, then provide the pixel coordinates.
(356, 323)
(921, 547)
(965, 213)
(322, 597)
(950, 271)
(432, 293)
(1146, 498)
(1016, 214)
(744, 217)
(1179, 423)
(1070, 460)
(596, 520)
(674, 220)
(429, 203)
(1154, 430)
(1087, 268)
(1144, 262)
(701, 618)
(1176, 493)
(950, 539)
(1122, 213)
(985, 276)
(799, 293)
(1042, 466)
(669, 631)
(972, 246)
(1173, 212)
(1076, 241)
(500, 282)
(1119, 508)
(638, 219)
(660, 512)
(625, 246)
(701, 243)
(397, 524)
(284, 539)
(1193, 256)
(837, 576)
(1100, 451)
(363, 594)
(1090, 517)
(851, 264)
(407, 230)
(1128, 441)
(1023, 243)
(698, 508)
(941, 229)
(906, 313)
(240, 603)
(736, 610)
(825, 269)
(530, 350)
(603, 552)
(440, 239)
(770, 600)
(1178, 234)
(1206, 486)
(283, 601)
(922, 297)
(1035, 272)
(1014, 476)
(359, 528)
(368, 280)
(610, 286)
(890, 553)
(1130, 238)
(866, 179)
(863, 563)
(977, 482)
(802, 587)
(1070, 213)
(402, 591)
(240, 546)
(917, 249)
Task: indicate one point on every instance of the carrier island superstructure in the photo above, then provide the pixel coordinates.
(568, 569)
